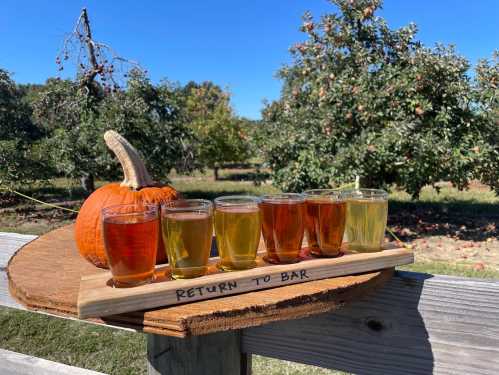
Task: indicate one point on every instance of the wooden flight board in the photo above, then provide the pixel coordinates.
(98, 298)
(45, 276)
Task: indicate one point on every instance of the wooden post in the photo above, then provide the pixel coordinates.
(217, 353)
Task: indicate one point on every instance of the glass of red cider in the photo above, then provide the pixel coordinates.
(131, 235)
(283, 226)
(325, 221)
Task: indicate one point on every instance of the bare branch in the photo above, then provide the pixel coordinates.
(98, 66)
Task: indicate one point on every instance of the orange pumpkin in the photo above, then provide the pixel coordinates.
(137, 186)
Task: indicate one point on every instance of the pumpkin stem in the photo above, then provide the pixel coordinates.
(136, 175)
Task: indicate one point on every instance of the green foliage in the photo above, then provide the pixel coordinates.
(362, 99)
(75, 121)
(182, 128)
(19, 156)
(221, 137)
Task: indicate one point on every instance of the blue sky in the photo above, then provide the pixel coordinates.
(235, 43)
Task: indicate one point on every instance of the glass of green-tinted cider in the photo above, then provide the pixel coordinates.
(367, 215)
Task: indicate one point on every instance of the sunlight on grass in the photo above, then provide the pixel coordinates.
(73, 343)
(450, 194)
(270, 366)
(209, 189)
(443, 268)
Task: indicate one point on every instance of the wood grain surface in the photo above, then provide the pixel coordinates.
(416, 324)
(45, 275)
(98, 297)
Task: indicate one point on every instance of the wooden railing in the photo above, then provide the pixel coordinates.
(416, 324)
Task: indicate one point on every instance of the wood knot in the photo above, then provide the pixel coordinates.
(375, 325)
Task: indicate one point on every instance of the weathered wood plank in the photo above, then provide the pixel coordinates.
(12, 363)
(9, 244)
(5, 297)
(217, 353)
(416, 324)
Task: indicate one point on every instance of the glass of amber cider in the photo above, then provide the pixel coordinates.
(283, 225)
(131, 235)
(237, 230)
(325, 221)
(187, 229)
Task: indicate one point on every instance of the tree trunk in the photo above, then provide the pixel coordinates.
(256, 180)
(215, 173)
(88, 77)
(88, 183)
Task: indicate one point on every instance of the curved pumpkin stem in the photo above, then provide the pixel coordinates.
(136, 175)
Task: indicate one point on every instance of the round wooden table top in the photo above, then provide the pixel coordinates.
(45, 275)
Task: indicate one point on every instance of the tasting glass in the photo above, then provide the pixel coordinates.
(237, 230)
(187, 229)
(325, 221)
(367, 215)
(131, 235)
(283, 226)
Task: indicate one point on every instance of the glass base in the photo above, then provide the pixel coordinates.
(360, 248)
(236, 266)
(326, 254)
(188, 273)
(124, 282)
(286, 260)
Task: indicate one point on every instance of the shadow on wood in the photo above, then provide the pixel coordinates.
(217, 353)
(383, 333)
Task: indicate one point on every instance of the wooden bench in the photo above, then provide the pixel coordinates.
(417, 324)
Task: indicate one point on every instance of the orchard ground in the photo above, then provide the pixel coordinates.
(451, 232)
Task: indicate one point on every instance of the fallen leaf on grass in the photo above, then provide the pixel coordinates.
(479, 266)
(405, 232)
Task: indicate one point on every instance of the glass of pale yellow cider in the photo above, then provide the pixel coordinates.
(187, 229)
(367, 215)
(237, 231)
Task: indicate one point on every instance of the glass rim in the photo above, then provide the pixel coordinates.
(365, 193)
(236, 200)
(149, 208)
(189, 205)
(331, 194)
(284, 198)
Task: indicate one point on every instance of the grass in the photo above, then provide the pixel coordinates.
(73, 343)
(478, 200)
(120, 352)
(210, 189)
(100, 348)
(443, 268)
